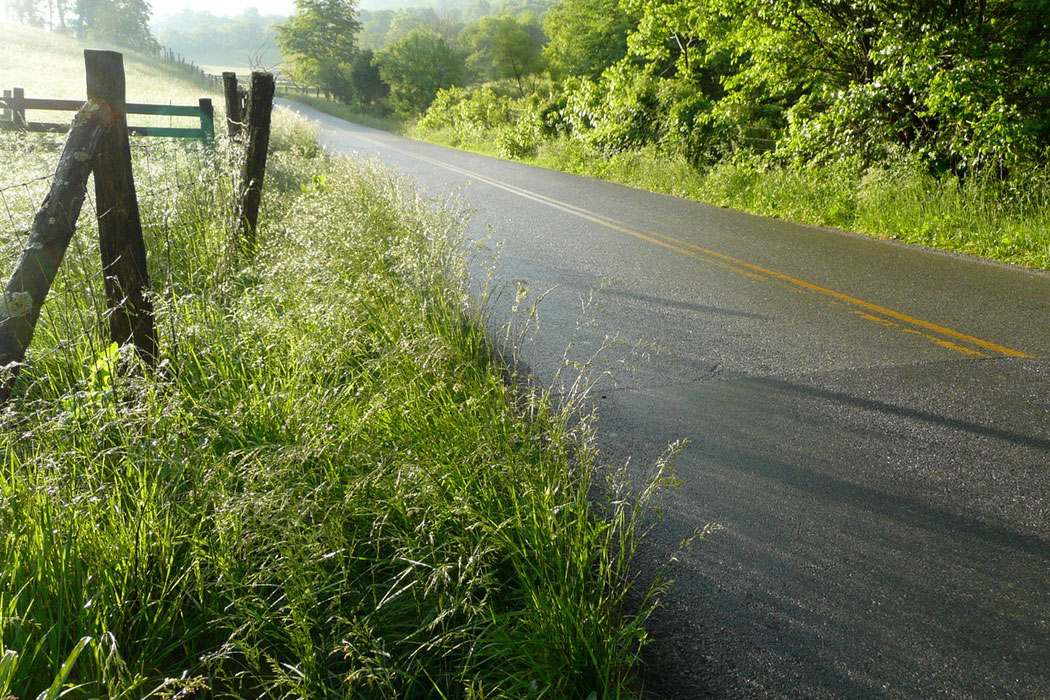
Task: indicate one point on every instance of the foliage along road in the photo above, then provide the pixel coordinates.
(869, 422)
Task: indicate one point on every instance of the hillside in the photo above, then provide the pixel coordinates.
(47, 64)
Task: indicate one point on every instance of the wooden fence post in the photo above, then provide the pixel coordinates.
(260, 103)
(5, 112)
(53, 228)
(207, 119)
(19, 107)
(233, 105)
(119, 227)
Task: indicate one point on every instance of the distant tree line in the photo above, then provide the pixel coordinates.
(239, 41)
(123, 22)
(398, 60)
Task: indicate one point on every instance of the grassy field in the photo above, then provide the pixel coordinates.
(52, 66)
(326, 489)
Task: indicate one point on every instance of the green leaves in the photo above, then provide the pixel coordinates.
(416, 67)
(586, 35)
(505, 47)
(100, 374)
(8, 666)
(318, 43)
(956, 84)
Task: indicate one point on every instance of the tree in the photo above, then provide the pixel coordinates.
(50, 14)
(505, 47)
(369, 89)
(56, 11)
(374, 28)
(586, 36)
(123, 22)
(246, 39)
(962, 85)
(416, 67)
(318, 44)
(25, 12)
(405, 21)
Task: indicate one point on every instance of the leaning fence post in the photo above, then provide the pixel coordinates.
(259, 106)
(233, 104)
(119, 227)
(207, 119)
(53, 228)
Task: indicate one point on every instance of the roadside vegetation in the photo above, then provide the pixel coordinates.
(919, 122)
(1006, 219)
(328, 488)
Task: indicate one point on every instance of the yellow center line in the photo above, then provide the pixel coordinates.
(987, 345)
(728, 262)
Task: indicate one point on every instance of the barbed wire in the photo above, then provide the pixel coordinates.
(185, 193)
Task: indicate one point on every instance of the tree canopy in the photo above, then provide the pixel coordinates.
(122, 22)
(962, 84)
(318, 44)
(505, 47)
(586, 36)
(416, 67)
(244, 39)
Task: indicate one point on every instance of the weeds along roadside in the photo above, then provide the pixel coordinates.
(328, 491)
(1006, 221)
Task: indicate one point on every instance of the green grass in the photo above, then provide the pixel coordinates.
(326, 489)
(900, 202)
(50, 65)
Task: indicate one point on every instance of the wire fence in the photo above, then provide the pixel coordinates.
(94, 279)
(186, 198)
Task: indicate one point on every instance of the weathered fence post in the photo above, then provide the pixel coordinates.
(260, 103)
(233, 105)
(19, 107)
(5, 112)
(207, 119)
(119, 227)
(53, 228)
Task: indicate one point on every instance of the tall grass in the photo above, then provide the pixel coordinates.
(327, 489)
(1007, 221)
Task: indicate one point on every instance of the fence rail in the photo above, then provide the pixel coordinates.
(14, 104)
(286, 85)
(98, 145)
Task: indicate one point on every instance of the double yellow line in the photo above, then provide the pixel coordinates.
(939, 335)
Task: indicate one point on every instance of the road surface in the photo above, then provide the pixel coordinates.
(869, 422)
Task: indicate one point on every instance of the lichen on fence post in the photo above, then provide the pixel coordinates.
(53, 228)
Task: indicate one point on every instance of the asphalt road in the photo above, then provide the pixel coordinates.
(869, 422)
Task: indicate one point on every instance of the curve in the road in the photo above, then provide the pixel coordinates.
(866, 308)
